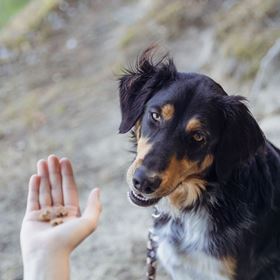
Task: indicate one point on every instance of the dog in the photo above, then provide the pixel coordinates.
(203, 160)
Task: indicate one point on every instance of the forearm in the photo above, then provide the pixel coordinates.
(46, 266)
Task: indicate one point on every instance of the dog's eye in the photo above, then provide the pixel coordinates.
(198, 137)
(156, 116)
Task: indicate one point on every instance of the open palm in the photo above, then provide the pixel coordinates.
(53, 200)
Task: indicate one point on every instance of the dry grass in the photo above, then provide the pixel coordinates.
(246, 32)
(165, 20)
(8, 8)
(14, 32)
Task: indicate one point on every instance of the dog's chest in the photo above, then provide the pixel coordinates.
(183, 247)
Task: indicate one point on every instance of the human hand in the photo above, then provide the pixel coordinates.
(51, 188)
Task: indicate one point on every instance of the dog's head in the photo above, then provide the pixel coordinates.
(184, 124)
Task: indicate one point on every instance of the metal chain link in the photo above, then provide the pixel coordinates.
(152, 246)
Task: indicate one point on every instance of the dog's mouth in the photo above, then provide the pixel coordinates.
(140, 200)
(143, 201)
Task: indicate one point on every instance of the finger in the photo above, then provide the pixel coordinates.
(85, 225)
(69, 187)
(93, 209)
(33, 194)
(55, 180)
(44, 190)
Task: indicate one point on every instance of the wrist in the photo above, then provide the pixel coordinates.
(45, 265)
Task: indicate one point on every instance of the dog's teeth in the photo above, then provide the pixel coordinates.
(140, 197)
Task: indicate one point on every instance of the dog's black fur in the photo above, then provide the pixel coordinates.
(242, 190)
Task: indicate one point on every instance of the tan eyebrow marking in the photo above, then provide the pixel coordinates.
(193, 124)
(167, 111)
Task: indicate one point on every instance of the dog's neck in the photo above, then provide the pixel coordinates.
(165, 207)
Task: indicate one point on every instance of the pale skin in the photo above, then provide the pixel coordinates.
(46, 248)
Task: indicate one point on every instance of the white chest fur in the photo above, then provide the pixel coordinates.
(186, 257)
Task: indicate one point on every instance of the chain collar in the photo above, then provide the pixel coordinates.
(152, 246)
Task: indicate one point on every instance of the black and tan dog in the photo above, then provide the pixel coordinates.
(202, 158)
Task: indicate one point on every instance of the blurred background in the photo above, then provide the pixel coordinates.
(59, 64)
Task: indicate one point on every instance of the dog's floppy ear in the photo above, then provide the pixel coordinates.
(137, 86)
(240, 139)
(134, 93)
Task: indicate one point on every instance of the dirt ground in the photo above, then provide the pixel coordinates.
(60, 95)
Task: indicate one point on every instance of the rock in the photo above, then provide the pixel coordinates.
(71, 43)
(265, 93)
(271, 128)
(5, 54)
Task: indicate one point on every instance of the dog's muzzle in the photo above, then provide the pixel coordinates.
(144, 184)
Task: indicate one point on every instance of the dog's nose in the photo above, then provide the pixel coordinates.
(145, 183)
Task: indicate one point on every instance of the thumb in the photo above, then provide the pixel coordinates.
(93, 208)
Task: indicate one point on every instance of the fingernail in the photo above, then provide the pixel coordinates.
(97, 192)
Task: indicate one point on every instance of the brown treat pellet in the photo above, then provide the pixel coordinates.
(61, 212)
(45, 215)
(56, 222)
